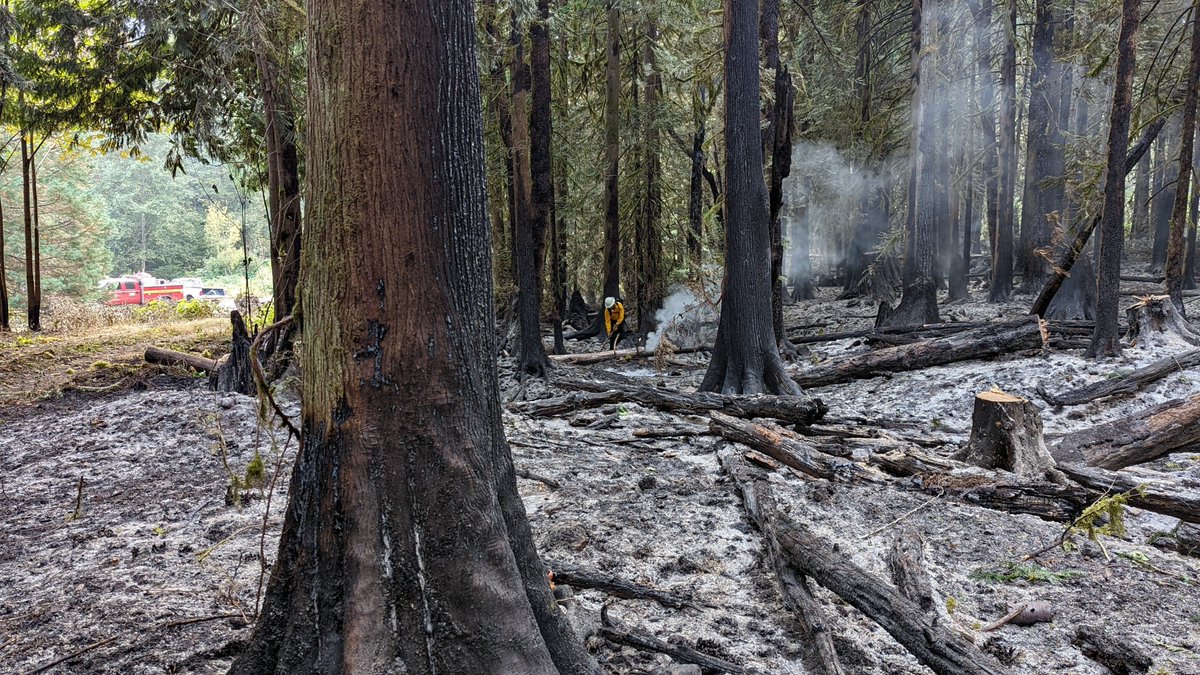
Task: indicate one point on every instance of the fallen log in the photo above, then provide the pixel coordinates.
(1184, 539)
(167, 357)
(1114, 653)
(988, 341)
(919, 632)
(1148, 490)
(1156, 432)
(561, 573)
(1128, 384)
(790, 409)
(680, 652)
(561, 405)
(925, 330)
(906, 563)
(820, 656)
(1006, 433)
(630, 353)
(774, 442)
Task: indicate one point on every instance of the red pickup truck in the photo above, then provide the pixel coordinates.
(132, 291)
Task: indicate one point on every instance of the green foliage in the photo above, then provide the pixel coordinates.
(1030, 572)
(155, 311)
(1105, 517)
(195, 309)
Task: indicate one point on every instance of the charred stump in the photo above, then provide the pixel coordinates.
(1006, 433)
(233, 373)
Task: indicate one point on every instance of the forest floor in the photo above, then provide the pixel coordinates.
(116, 531)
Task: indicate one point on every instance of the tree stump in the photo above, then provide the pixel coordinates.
(1006, 433)
(1154, 321)
(232, 372)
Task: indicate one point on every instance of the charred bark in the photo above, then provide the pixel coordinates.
(1106, 339)
(746, 357)
(650, 284)
(389, 513)
(1134, 440)
(1176, 251)
(1006, 433)
(233, 373)
(985, 342)
(1002, 254)
(695, 237)
(612, 158)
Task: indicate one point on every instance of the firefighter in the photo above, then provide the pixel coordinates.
(614, 321)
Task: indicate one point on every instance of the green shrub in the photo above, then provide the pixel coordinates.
(155, 311)
(195, 309)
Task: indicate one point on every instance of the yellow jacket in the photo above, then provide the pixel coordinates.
(613, 317)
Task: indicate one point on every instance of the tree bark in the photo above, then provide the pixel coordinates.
(1006, 433)
(1106, 341)
(1166, 184)
(390, 513)
(746, 357)
(918, 304)
(695, 238)
(1154, 321)
(32, 301)
(1176, 250)
(612, 158)
(1134, 440)
(233, 373)
(4, 320)
(169, 357)
(1002, 257)
(650, 281)
(1043, 192)
(1128, 384)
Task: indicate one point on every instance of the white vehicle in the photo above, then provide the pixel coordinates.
(217, 295)
(193, 287)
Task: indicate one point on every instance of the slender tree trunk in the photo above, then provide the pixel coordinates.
(532, 360)
(612, 156)
(696, 205)
(33, 310)
(1164, 197)
(801, 244)
(542, 205)
(1106, 341)
(651, 285)
(1189, 272)
(746, 359)
(1002, 261)
(918, 305)
(1176, 250)
(1141, 201)
(987, 122)
(283, 173)
(866, 231)
(35, 295)
(4, 320)
(499, 106)
(405, 546)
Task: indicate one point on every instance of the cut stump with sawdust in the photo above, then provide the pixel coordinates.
(1006, 433)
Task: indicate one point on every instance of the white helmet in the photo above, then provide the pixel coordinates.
(609, 302)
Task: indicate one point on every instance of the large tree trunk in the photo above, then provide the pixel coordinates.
(1106, 340)
(1044, 162)
(405, 545)
(1002, 256)
(1141, 200)
(650, 282)
(868, 225)
(1139, 438)
(746, 358)
(612, 158)
(778, 136)
(1176, 249)
(4, 321)
(918, 304)
(1164, 194)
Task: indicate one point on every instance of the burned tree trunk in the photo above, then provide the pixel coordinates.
(650, 279)
(167, 357)
(746, 357)
(918, 304)
(1176, 249)
(1105, 339)
(1002, 256)
(612, 158)
(695, 238)
(388, 514)
(531, 353)
(1006, 433)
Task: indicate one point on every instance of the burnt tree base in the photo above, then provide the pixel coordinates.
(233, 372)
(1155, 320)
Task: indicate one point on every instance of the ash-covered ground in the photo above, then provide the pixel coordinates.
(151, 542)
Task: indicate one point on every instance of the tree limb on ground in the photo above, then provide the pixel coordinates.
(1161, 430)
(988, 341)
(1127, 384)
